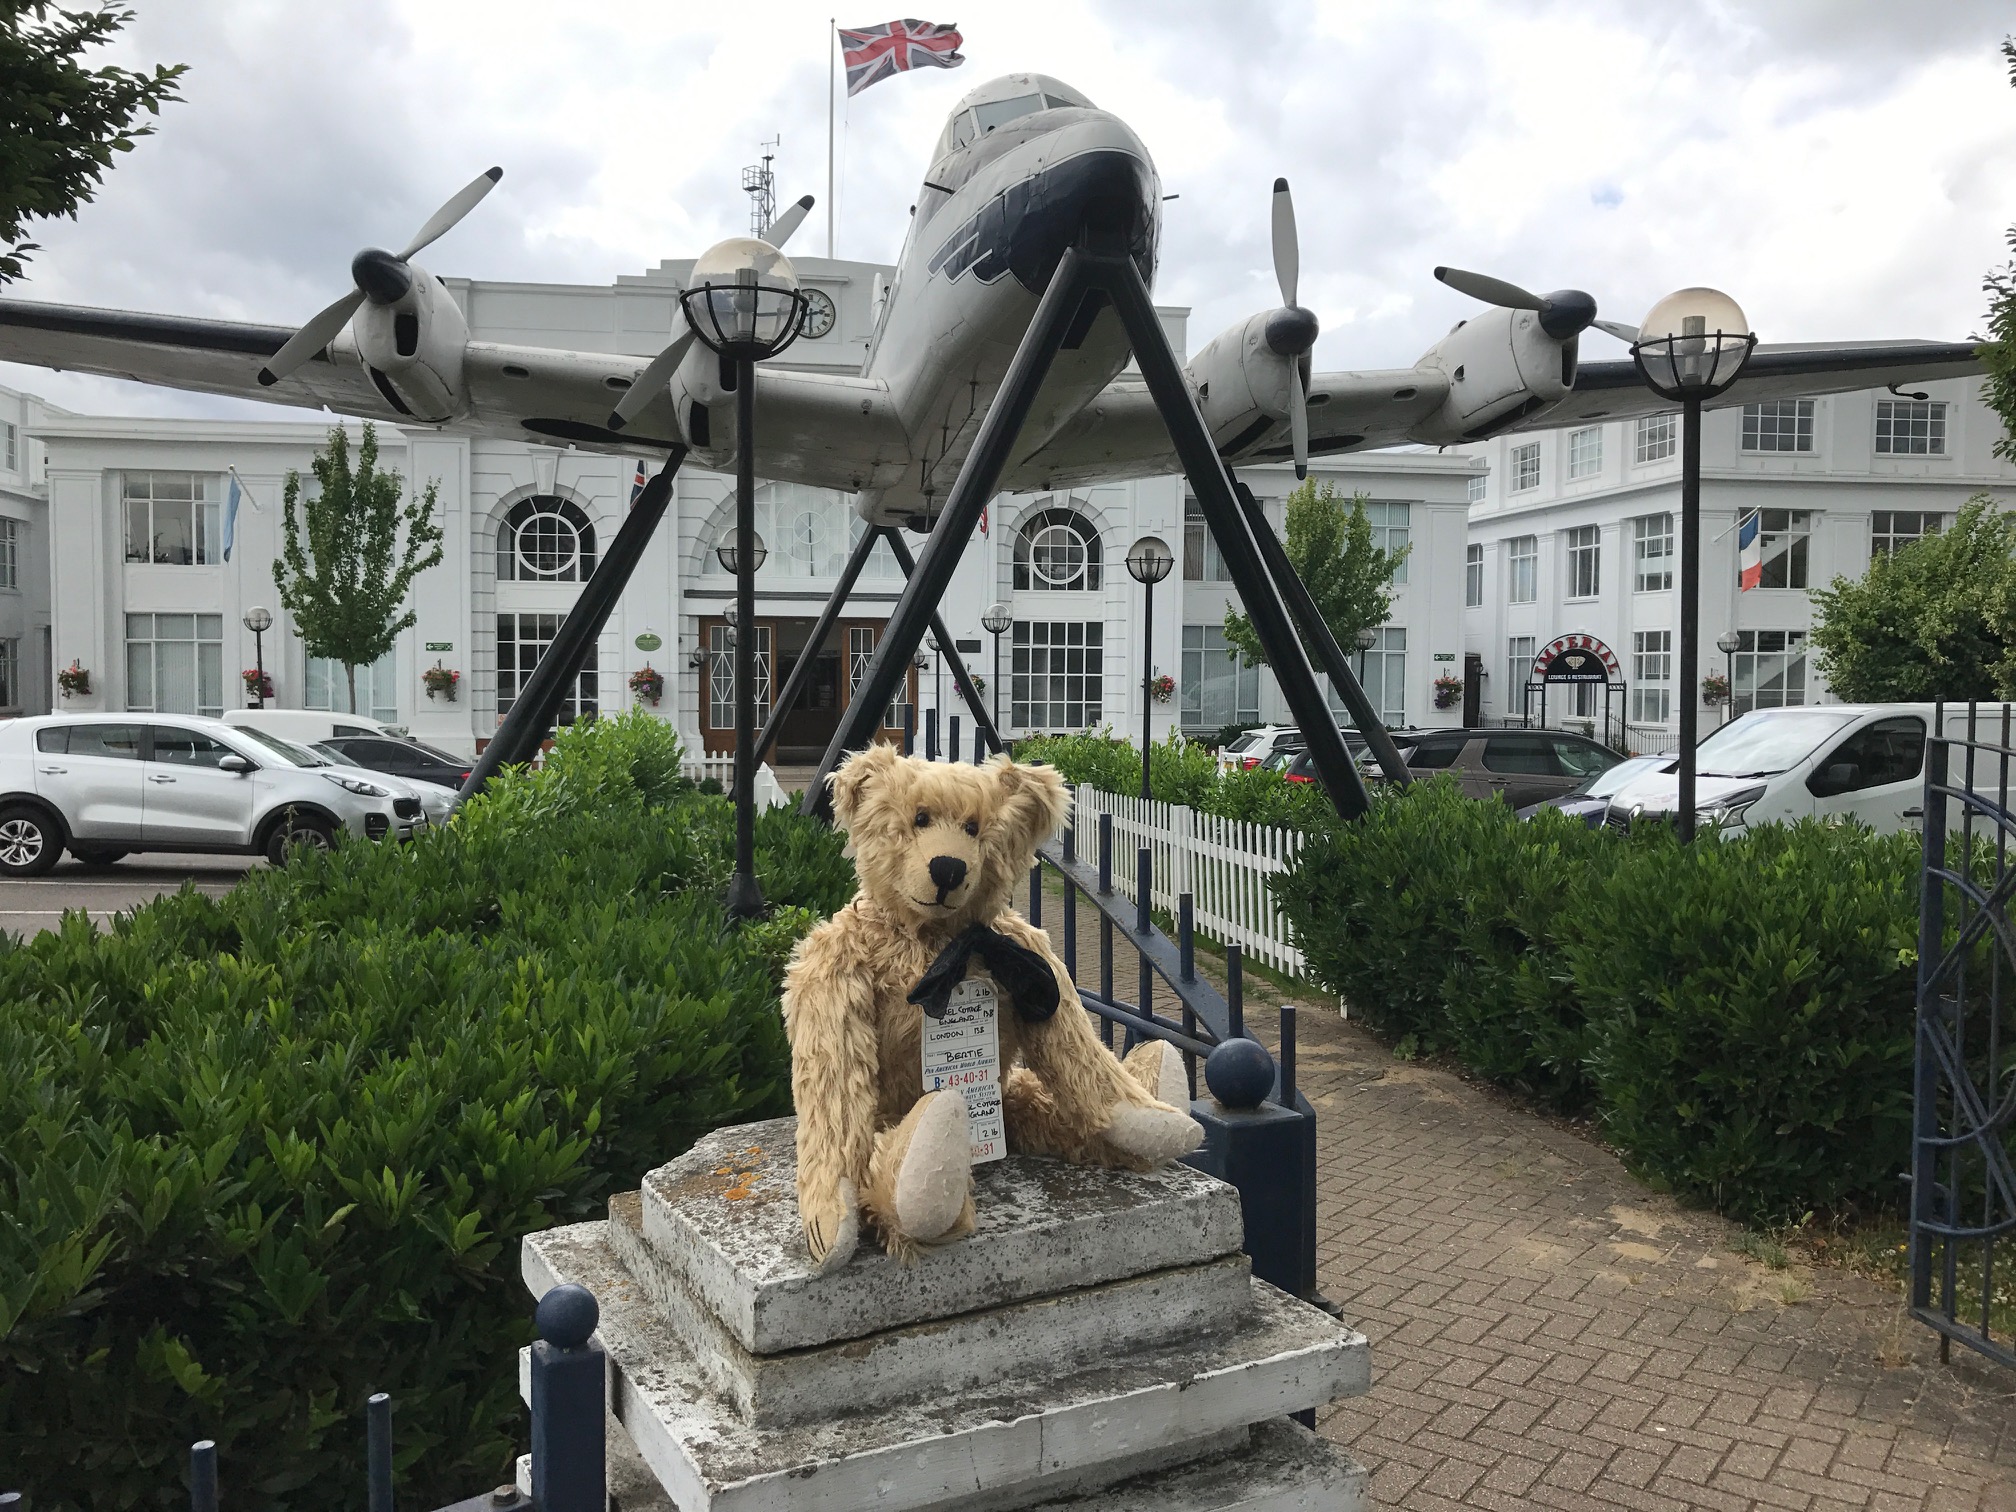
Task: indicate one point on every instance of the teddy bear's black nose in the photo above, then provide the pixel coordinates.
(947, 872)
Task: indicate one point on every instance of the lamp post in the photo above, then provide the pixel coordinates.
(743, 302)
(1690, 348)
(1367, 639)
(1726, 643)
(1148, 562)
(259, 620)
(996, 622)
(937, 698)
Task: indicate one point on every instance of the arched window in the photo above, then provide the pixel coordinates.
(545, 540)
(1057, 549)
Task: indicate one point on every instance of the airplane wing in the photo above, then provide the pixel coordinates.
(1612, 389)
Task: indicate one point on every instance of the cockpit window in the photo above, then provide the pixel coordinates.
(1001, 112)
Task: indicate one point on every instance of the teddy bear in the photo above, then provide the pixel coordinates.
(938, 848)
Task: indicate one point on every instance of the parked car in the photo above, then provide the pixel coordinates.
(1521, 767)
(1254, 747)
(437, 803)
(306, 726)
(103, 786)
(1589, 799)
(399, 755)
(1821, 761)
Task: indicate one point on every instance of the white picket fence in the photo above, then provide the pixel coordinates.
(698, 766)
(1223, 864)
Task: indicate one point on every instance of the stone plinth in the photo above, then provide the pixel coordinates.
(1097, 1341)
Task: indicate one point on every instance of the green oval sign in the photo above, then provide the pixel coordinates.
(648, 642)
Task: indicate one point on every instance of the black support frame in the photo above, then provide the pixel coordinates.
(1081, 275)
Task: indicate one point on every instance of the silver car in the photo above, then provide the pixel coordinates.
(103, 786)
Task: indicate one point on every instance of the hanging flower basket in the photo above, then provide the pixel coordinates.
(441, 682)
(1448, 691)
(74, 679)
(1714, 689)
(980, 686)
(257, 684)
(648, 683)
(1163, 687)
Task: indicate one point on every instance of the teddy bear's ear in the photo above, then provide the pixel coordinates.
(1035, 800)
(855, 776)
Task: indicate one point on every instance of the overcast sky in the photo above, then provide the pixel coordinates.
(1844, 168)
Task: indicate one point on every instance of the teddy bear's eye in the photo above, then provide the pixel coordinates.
(923, 819)
(973, 827)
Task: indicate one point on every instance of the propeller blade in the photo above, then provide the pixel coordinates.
(1287, 253)
(1628, 334)
(651, 382)
(793, 217)
(1298, 419)
(1489, 290)
(320, 330)
(445, 218)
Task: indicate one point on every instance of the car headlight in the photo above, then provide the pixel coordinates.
(357, 785)
(1730, 807)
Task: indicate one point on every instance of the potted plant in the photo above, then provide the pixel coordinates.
(1714, 689)
(441, 682)
(73, 679)
(648, 683)
(980, 686)
(1163, 687)
(1448, 690)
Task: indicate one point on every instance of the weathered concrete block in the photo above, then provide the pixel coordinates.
(1284, 1468)
(941, 1358)
(1012, 1441)
(723, 1217)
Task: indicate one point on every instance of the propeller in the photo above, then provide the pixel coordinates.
(1291, 330)
(651, 382)
(380, 276)
(1563, 314)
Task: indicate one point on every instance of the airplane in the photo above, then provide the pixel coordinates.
(1024, 167)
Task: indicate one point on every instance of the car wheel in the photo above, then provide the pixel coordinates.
(89, 857)
(29, 842)
(299, 829)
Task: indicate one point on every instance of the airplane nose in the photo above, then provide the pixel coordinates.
(1104, 193)
(947, 872)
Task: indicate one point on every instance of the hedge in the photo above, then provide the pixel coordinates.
(1180, 771)
(263, 1155)
(1738, 1014)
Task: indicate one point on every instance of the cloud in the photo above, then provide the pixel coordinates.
(1845, 168)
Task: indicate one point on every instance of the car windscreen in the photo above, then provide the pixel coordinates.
(1239, 743)
(273, 748)
(1603, 784)
(1764, 745)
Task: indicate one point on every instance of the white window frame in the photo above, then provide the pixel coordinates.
(583, 697)
(206, 544)
(10, 552)
(1479, 487)
(1519, 653)
(1064, 709)
(1651, 676)
(1910, 428)
(1885, 535)
(1778, 427)
(1525, 467)
(1652, 542)
(1779, 654)
(325, 686)
(10, 674)
(1391, 530)
(1522, 570)
(1203, 562)
(1585, 561)
(10, 446)
(1384, 676)
(1473, 576)
(1785, 542)
(1585, 452)
(1655, 438)
(147, 646)
(1208, 660)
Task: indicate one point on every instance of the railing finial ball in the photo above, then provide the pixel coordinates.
(1240, 1073)
(567, 1315)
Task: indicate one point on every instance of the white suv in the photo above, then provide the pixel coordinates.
(104, 785)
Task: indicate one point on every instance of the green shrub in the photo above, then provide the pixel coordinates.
(1180, 771)
(265, 1154)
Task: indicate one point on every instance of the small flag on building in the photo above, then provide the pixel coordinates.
(1749, 552)
(875, 53)
(637, 485)
(230, 513)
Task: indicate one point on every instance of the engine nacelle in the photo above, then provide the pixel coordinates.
(414, 346)
(1241, 380)
(1501, 367)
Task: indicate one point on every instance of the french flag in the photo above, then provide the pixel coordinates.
(1749, 553)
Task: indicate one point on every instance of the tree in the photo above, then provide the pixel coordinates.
(343, 589)
(1329, 544)
(60, 122)
(1934, 619)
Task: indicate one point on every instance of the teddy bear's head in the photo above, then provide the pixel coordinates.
(940, 843)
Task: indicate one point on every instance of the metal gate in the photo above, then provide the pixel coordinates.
(1963, 1188)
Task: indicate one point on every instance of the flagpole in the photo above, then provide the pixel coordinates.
(832, 44)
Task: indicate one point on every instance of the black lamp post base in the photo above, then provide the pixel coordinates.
(744, 899)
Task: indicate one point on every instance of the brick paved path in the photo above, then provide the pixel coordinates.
(1548, 1333)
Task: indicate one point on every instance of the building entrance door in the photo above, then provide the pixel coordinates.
(808, 725)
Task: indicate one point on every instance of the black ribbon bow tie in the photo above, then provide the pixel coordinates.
(1021, 972)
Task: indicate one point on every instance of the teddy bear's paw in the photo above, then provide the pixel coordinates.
(1157, 1066)
(832, 1228)
(937, 1170)
(1153, 1134)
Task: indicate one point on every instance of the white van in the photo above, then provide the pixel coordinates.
(1820, 761)
(306, 726)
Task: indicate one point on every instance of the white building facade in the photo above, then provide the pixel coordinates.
(149, 606)
(27, 669)
(1574, 535)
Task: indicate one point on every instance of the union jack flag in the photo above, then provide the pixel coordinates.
(637, 485)
(874, 53)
